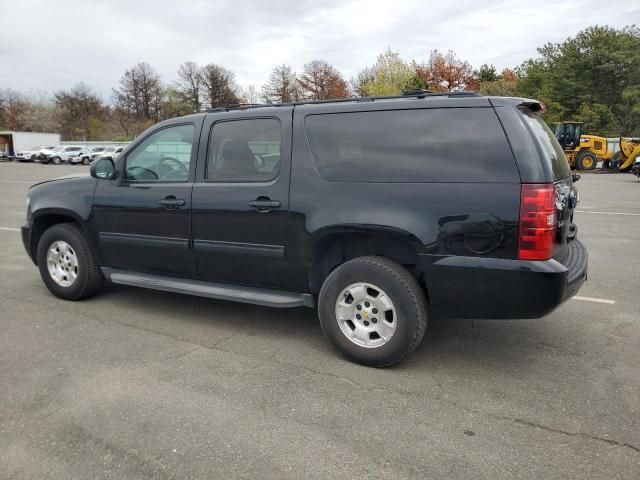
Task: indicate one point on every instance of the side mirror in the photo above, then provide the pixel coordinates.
(102, 169)
(575, 177)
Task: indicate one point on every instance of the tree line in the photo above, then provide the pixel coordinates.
(593, 77)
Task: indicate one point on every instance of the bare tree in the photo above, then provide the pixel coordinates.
(250, 94)
(218, 86)
(282, 86)
(139, 95)
(189, 86)
(321, 81)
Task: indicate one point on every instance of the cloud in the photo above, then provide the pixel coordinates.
(47, 45)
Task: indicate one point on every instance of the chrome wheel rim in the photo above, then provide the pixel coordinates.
(366, 315)
(62, 263)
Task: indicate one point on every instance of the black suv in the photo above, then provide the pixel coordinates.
(379, 211)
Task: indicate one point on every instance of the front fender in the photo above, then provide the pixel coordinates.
(59, 201)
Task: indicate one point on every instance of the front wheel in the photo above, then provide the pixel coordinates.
(66, 263)
(56, 160)
(373, 310)
(85, 161)
(586, 161)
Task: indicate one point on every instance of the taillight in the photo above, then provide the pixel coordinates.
(538, 222)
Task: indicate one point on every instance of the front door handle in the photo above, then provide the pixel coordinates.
(171, 203)
(264, 204)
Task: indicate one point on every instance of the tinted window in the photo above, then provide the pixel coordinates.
(426, 145)
(244, 150)
(163, 156)
(549, 143)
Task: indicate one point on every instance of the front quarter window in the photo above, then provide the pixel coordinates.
(164, 156)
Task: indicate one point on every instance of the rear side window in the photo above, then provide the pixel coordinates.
(244, 150)
(549, 144)
(422, 145)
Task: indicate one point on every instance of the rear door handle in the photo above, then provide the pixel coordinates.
(264, 204)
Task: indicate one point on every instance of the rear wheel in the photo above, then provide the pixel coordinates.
(373, 310)
(66, 263)
(586, 161)
(56, 160)
(85, 161)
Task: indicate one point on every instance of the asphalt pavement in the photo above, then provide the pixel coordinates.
(138, 384)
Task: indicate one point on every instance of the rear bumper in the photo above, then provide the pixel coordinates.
(476, 287)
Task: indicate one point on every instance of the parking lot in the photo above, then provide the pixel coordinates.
(143, 384)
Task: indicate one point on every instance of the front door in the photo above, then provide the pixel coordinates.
(241, 197)
(143, 217)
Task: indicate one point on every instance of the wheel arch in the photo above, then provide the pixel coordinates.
(46, 218)
(333, 246)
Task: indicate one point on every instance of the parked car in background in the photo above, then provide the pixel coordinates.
(45, 153)
(65, 154)
(110, 152)
(83, 157)
(94, 152)
(30, 155)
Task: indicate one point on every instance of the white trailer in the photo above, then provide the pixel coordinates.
(13, 142)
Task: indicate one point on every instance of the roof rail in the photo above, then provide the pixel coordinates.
(419, 94)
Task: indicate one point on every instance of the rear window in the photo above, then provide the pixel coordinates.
(421, 145)
(549, 144)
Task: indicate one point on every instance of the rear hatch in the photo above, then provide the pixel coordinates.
(566, 197)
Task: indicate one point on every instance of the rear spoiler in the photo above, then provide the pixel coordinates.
(534, 105)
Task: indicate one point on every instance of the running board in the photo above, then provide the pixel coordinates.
(222, 291)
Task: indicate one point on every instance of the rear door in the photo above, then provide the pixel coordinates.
(241, 196)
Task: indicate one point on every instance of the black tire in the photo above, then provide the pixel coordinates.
(403, 290)
(85, 161)
(586, 161)
(89, 277)
(56, 160)
(612, 163)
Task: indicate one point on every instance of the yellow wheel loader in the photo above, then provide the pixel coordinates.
(582, 151)
(624, 158)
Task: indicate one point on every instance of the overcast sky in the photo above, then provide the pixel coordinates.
(48, 45)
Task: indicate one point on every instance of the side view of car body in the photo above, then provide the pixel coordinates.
(62, 155)
(31, 155)
(86, 155)
(110, 153)
(53, 155)
(351, 207)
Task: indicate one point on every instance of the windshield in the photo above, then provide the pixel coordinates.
(549, 143)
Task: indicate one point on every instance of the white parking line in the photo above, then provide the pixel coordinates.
(611, 213)
(9, 229)
(596, 300)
